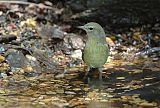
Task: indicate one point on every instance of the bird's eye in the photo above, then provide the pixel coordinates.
(90, 28)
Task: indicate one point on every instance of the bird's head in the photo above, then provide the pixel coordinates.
(93, 29)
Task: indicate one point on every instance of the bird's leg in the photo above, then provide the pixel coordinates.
(100, 73)
(88, 69)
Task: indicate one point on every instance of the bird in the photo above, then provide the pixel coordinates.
(96, 50)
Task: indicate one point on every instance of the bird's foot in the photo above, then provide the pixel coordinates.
(100, 74)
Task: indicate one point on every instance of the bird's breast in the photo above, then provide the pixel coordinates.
(95, 53)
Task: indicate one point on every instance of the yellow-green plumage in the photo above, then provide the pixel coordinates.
(95, 53)
(96, 49)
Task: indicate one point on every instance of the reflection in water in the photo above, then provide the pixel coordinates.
(123, 88)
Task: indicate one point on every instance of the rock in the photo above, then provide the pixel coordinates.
(77, 54)
(75, 41)
(16, 59)
(49, 32)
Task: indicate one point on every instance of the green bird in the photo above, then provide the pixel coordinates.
(96, 49)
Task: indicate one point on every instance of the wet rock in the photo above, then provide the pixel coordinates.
(18, 83)
(9, 38)
(67, 49)
(3, 48)
(16, 59)
(72, 42)
(34, 66)
(76, 42)
(77, 54)
(42, 57)
(31, 74)
(50, 32)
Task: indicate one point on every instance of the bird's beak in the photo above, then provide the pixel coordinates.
(81, 27)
